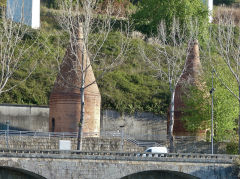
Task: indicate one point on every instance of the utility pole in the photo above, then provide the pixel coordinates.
(212, 94)
(122, 136)
(7, 123)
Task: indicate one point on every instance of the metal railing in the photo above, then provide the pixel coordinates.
(49, 140)
(12, 136)
(57, 134)
(116, 134)
(37, 134)
(141, 143)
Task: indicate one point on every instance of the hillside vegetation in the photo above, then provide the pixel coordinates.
(128, 88)
(133, 86)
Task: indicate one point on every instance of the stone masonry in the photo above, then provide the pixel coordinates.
(109, 165)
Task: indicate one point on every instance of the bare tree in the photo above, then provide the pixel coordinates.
(225, 41)
(88, 33)
(169, 62)
(18, 44)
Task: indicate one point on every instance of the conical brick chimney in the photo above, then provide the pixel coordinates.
(190, 76)
(65, 98)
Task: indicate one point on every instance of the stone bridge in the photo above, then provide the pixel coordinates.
(57, 164)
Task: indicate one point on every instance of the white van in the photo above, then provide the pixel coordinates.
(155, 150)
(162, 150)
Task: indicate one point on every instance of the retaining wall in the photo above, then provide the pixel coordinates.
(141, 126)
(45, 143)
(24, 117)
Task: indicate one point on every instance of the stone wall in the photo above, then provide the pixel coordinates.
(89, 143)
(94, 165)
(24, 117)
(191, 145)
(141, 126)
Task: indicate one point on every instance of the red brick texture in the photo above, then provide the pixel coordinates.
(190, 77)
(65, 98)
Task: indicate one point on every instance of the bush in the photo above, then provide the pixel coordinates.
(226, 2)
(3, 3)
(232, 148)
(129, 88)
(151, 12)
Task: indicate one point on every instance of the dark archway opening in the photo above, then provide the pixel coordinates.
(15, 173)
(162, 174)
(53, 124)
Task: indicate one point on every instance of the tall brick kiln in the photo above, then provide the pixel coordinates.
(65, 98)
(190, 76)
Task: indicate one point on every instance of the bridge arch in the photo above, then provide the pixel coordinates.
(11, 172)
(164, 174)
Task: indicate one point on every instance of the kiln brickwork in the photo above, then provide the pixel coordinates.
(65, 99)
(190, 77)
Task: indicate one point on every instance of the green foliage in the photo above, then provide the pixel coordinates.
(52, 3)
(151, 12)
(3, 3)
(36, 89)
(226, 2)
(198, 105)
(129, 88)
(232, 148)
(55, 4)
(197, 111)
(130, 93)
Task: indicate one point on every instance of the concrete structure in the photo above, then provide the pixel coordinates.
(190, 77)
(26, 11)
(209, 4)
(36, 118)
(110, 165)
(24, 117)
(65, 99)
(141, 126)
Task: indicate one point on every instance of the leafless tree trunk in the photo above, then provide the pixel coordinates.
(169, 62)
(171, 120)
(15, 52)
(94, 31)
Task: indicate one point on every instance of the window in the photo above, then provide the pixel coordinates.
(149, 150)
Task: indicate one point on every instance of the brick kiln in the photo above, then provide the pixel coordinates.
(65, 98)
(190, 76)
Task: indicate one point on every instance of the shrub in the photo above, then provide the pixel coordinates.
(232, 148)
(226, 2)
(3, 3)
(151, 12)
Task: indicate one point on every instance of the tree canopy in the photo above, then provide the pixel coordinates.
(198, 105)
(151, 12)
(226, 2)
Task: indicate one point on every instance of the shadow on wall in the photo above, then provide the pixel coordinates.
(160, 175)
(215, 171)
(3, 126)
(141, 126)
(15, 173)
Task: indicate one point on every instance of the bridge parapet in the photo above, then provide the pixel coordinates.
(130, 156)
(54, 164)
